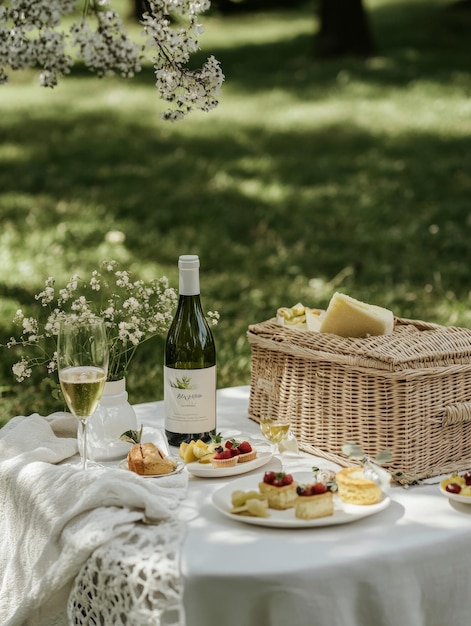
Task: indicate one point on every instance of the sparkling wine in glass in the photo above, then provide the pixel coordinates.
(82, 358)
(274, 431)
(278, 432)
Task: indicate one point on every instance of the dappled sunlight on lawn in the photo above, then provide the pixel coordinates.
(309, 176)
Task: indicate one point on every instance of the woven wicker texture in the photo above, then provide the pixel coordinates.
(409, 392)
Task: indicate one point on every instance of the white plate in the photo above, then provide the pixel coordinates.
(178, 468)
(343, 513)
(455, 496)
(206, 470)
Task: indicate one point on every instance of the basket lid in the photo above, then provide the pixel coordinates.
(413, 345)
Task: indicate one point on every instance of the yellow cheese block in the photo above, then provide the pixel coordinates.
(348, 317)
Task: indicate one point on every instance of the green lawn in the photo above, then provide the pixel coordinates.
(310, 177)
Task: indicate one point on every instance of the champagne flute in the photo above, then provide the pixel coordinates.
(278, 433)
(82, 360)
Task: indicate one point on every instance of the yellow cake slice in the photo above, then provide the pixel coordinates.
(147, 459)
(354, 488)
(314, 506)
(279, 497)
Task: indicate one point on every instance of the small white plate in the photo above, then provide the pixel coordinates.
(206, 470)
(178, 468)
(343, 513)
(455, 496)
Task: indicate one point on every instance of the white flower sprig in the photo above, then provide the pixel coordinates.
(133, 310)
(33, 34)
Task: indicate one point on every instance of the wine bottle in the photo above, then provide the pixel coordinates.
(190, 363)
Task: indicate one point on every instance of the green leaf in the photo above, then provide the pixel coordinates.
(132, 436)
(353, 450)
(384, 456)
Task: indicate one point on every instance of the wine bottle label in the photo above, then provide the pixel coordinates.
(190, 399)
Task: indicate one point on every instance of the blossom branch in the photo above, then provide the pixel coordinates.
(31, 35)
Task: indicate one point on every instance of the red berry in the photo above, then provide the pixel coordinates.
(224, 454)
(287, 479)
(245, 447)
(467, 478)
(234, 451)
(278, 482)
(318, 488)
(453, 488)
(269, 477)
(228, 444)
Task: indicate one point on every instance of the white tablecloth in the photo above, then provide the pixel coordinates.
(409, 565)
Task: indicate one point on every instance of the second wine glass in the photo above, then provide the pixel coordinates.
(82, 360)
(279, 433)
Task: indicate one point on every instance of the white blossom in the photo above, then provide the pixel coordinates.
(36, 33)
(30, 325)
(95, 281)
(213, 317)
(133, 311)
(21, 370)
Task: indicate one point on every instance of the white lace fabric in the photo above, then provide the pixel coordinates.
(133, 580)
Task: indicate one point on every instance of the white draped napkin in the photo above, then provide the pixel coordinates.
(53, 517)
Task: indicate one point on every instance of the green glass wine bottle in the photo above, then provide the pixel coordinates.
(190, 363)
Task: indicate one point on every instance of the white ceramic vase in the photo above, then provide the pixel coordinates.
(113, 416)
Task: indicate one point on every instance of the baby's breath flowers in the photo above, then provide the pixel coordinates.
(133, 310)
(35, 34)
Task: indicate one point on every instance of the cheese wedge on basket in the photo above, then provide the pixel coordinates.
(348, 317)
(344, 316)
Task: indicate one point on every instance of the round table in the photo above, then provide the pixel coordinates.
(408, 565)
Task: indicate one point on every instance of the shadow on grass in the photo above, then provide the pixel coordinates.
(266, 210)
(414, 40)
(254, 204)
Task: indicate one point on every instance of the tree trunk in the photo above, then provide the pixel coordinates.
(344, 29)
(138, 9)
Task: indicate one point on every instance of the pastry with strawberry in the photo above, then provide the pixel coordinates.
(314, 501)
(279, 488)
(246, 452)
(231, 451)
(223, 457)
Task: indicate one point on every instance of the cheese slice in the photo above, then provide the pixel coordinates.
(348, 317)
(314, 319)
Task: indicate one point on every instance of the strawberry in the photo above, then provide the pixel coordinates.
(269, 477)
(245, 447)
(225, 454)
(277, 479)
(312, 490)
(228, 444)
(318, 488)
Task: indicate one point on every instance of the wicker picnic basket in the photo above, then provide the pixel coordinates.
(409, 393)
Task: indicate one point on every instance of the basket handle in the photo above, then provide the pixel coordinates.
(418, 324)
(456, 413)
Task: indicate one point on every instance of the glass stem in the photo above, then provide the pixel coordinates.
(83, 452)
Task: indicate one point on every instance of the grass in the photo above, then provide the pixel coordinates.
(310, 177)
